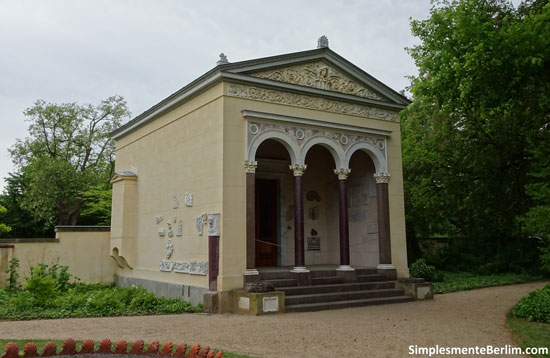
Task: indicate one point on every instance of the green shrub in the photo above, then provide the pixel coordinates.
(535, 307)
(13, 276)
(545, 260)
(41, 286)
(421, 269)
(23, 300)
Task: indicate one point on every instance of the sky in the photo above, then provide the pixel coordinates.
(87, 50)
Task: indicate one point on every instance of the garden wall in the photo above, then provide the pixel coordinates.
(85, 249)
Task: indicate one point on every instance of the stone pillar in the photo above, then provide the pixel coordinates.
(384, 238)
(213, 262)
(251, 274)
(343, 215)
(299, 255)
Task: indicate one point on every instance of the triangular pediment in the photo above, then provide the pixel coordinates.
(320, 75)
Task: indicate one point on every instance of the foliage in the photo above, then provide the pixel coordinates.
(21, 221)
(529, 334)
(421, 269)
(81, 300)
(13, 275)
(97, 205)
(535, 307)
(545, 259)
(462, 281)
(68, 152)
(3, 227)
(478, 123)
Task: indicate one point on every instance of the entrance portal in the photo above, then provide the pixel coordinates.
(266, 222)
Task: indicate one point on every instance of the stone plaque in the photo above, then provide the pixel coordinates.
(271, 304)
(181, 266)
(166, 266)
(188, 199)
(162, 232)
(314, 243)
(213, 224)
(179, 230)
(244, 303)
(199, 224)
(170, 230)
(198, 268)
(169, 249)
(422, 292)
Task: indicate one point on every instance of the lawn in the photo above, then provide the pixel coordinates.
(529, 334)
(462, 281)
(40, 344)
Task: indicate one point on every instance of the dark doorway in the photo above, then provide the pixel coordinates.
(266, 222)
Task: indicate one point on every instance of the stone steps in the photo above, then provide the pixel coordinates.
(326, 280)
(344, 287)
(307, 307)
(342, 296)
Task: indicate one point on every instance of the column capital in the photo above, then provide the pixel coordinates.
(250, 166)
(298, 169)
(342, 173)
(382, 178)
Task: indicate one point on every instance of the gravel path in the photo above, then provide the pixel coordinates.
(462, 319)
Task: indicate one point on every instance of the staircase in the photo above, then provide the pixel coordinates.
(329, 291)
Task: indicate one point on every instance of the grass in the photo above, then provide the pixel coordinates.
(462, 281)
(41, 342)
(529, 334)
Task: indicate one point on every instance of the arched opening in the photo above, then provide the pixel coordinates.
(320, 188)
(362, 211)
(273, 205)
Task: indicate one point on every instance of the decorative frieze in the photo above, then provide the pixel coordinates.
(250, 165)
(198, 268)
(298, 169)
(182, 266)
(304, 101)
(382, 178)
(319, 75)
(342, 173)
(166, 266)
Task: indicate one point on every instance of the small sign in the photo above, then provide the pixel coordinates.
(314, 243)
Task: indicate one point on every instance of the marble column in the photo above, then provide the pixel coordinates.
(251, 273)
(384, 238)
(343, 174)
(299, 254)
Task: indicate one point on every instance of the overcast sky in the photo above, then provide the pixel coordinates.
(84, 51)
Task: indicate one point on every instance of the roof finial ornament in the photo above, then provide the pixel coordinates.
(322, 42)
(222, 60)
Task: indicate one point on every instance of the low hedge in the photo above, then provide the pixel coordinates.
(535, 307)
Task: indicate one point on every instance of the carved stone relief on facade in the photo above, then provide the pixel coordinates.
(301, 134)
(318, 75)
(169, 248)
(179, 230)
(304, 101)
(158, 219)
(198, 268)
(170, 230)
(199, 224)
(181, 266)
(166, 266)
(188, 199)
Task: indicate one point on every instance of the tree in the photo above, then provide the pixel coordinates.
(3, 227)
(67, 152)
(480, 111)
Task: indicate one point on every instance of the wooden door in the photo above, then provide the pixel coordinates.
(266, 222)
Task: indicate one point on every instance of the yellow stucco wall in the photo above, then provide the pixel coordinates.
(86, 253)
(177, 153)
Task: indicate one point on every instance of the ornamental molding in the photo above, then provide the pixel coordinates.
(318, 75)
(342, 173)
(303, 134)
(382, 178)
(310, 102)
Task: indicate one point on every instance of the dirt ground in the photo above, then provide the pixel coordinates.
(461, 319)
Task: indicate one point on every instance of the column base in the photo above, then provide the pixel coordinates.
(387, 270)
(302, 277)
(347, 275)
(251, 275)
(345, 268)
(299, 269)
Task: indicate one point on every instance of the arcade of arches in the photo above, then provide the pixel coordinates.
(316, 197)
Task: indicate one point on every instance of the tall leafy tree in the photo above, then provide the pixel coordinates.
(68, 151)
(480, 112)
